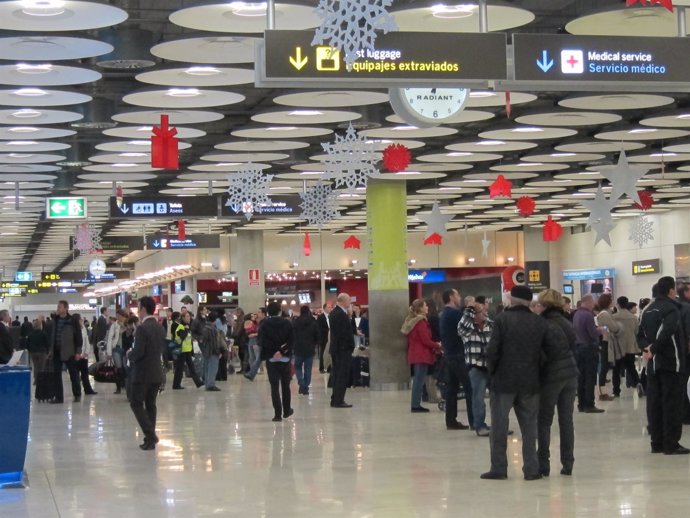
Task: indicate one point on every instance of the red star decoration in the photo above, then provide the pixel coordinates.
(552, 230)
(306, 246)
(396, 158)
(526, 206)
(668, 4)
(352, 242)
(646, 200)
(501, 188)
(434, 239)
(164, 150)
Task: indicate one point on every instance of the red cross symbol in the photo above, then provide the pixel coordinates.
(572, 61)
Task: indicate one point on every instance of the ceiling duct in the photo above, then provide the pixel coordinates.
(131, 45)
(76, 157)
(97, 114)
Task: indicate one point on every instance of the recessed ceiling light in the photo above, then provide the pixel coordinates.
(133, 155)
(26, 113)
(684, 116)
(43, 7)
(453, 11)
(644, 130)
(311, 173)
(202, 71)
(22, 143)
(408, 173)
(19, 155)
(226, 164)
(23, 129)
(659, 155)
(139, 142)
(25, 68)
(183, 92)
(123, 165)
(491, 143)
(30, 92)
(457, 153)
(529, 129)
(248, 8)
(145, 128)
(530, 164)
(482, 94)
(557, 155)
(281, 128)
(404, 128)
(305, 113)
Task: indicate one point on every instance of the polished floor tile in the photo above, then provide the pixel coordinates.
(220, 455)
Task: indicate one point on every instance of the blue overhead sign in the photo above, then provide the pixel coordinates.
(426, 276)
(582, 275)
(23, 276)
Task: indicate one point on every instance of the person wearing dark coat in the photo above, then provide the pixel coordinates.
(324, 330)
(513, 359)
(6, 347)
(277, 341)
(306, 339)
(684, 300)
(147, 371)
(342, 343)
(558, 384)
(662, 337)
(100, 331)
(66, 345)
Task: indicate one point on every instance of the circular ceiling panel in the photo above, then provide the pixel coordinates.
(610, 102)
(529, 167)
(680, 153)
(482, 146)
(276, 132)
(51, 48)
(133, 146)
(134, 157)
(30, 116)
(182, 98)
(598, 147)
(508, 176)
(28, 169)
(104, 193)
(460, 18)
(29, 158)
(568, 119)
(489, 98)
(33, 133)
(32, 146)
(636, 21)
(261, 145)
(299, 116)
(198, 75)
(642, 134)
(226, 167)
(119, 168)
(405, 132)
(58, 15)
(332, 99)
(143, 132)
(458, 156)
(45, 74)
(564, 157)
(26, 177)
(25, 96)
(528, 132)
(211, 49)
(176, 117)
(244, 157)
(244, 17)
(462, 117)
(106, 177)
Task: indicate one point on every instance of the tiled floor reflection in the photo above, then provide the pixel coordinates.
(220, 455)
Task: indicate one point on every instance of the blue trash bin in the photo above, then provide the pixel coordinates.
(15, 399)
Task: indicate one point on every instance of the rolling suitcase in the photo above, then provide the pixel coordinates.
(45, 383)
(360, 371)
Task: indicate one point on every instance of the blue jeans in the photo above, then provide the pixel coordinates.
(303, 366)
(479, 379)
(420, 370)
(254, 350)
(210, 370)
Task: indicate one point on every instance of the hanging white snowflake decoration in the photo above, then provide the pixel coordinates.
(248, 190)
(350, 25)
(87, 238)
(641, 230)
(351, 160)
(319, 204)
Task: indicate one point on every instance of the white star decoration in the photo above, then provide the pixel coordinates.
(600, 219)
(319, 204)
(87, 238)
(351, 159)
(436, 221)
(641, 230)
(248, 190)
(624, 178)
(486, 243)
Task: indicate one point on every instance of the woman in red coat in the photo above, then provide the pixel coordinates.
(421, 349)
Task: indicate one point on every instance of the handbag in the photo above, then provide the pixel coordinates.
(106, 373)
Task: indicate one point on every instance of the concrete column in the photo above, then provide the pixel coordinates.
(248, 255)
(388, 286)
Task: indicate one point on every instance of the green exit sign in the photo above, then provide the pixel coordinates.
(65, 208)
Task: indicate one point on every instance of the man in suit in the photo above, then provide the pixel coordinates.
(66, 345)
(324, 329)
(147, 373)
(342, 345)
(6, 348)
(100, 331)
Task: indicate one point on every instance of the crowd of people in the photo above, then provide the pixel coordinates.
(536, 356)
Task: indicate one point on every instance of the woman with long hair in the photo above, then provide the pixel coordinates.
(606, 354)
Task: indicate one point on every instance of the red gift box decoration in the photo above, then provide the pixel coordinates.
(352, 242)
(668, 4)
(434, 239)
(646, 200)
(306, 246)
(396, 158)
(526, 206)
(164, 152)
(501, 187)
(552, 230)
(181, 230)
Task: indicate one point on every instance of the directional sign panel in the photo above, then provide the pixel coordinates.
(66, 208)
(162, 242)
(164, 207)
(601, 59)
(400, 59)
(117, 243)
(281, 207)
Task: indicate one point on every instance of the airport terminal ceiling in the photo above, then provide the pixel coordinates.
(76, 117)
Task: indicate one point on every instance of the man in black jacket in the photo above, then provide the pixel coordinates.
(276, 340)
(664, 349)
(6, 347)
(513, 356)
(342, 344)
(324, 329)
(100, 331)
(66, 346)
(684, 299)
(147, 372)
